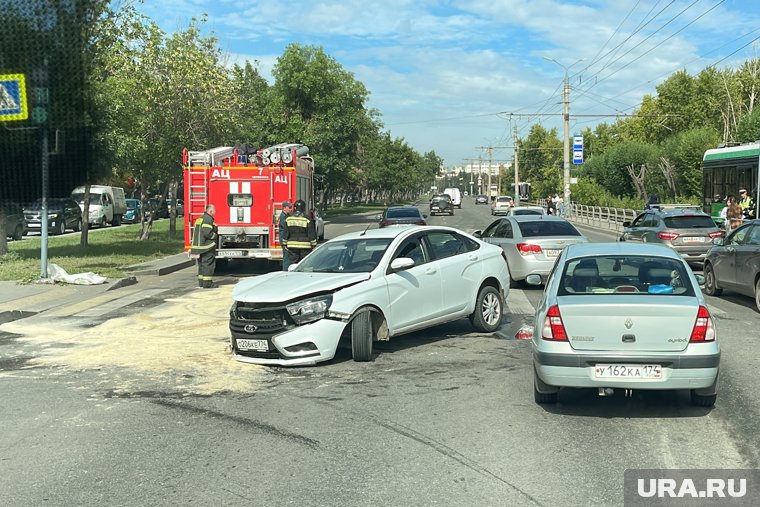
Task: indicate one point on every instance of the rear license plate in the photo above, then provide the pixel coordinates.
(692, 239)
(231, 253)
(258, 345)
(643, 371)
(552, 253)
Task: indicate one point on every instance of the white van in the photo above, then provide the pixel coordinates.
(456, 196)
(107, 204)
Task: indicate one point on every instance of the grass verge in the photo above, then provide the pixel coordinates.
(109, 251)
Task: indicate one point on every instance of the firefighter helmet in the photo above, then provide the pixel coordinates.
(299, 206)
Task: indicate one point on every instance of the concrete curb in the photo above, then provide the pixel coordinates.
(163, 266)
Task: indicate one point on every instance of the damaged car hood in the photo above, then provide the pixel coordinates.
(286, 286)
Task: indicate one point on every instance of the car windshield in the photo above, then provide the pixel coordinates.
(359, 255)
(632, 274)
(547, 228)
(52, 204)
(402, 213)
(689, 222)
(94, 198)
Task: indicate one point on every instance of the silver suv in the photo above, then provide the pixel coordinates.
(686, 229)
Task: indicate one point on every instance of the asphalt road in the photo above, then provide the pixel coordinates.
(139, 404)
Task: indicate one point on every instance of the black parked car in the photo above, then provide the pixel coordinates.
(63, 213)
(402, 215)
(13, 220)
(441, 204)
(158, 207)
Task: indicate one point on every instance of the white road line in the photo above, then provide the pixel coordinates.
(119, 303)
(518, 303)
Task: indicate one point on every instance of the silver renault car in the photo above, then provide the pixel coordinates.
(624, 316)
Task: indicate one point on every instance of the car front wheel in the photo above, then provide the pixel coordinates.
(61, 229)
(488, 310)
(711, 282)
(361, 337)
(757, 294)
(18, 233)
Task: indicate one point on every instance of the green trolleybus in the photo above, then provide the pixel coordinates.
(725, 171)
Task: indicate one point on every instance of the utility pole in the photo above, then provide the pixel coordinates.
(566, 172)
(517, 173)
(489, 170)
(480, 173)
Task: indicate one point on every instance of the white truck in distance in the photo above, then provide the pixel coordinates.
(107, 204)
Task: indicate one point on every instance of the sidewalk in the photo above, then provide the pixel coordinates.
(18, 301)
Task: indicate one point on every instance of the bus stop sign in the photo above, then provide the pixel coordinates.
(13, 97)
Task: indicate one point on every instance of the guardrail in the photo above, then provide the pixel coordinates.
(596, 216)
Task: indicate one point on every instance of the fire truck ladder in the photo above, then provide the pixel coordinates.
(198, 191)
(212, 157)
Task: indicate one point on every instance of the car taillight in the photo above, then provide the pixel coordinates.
(667, 235)
(703, 331)
(715, 234)
(528, 249)
(553, 328)
(385, 223)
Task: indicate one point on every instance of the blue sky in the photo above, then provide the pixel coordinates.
(446, 74)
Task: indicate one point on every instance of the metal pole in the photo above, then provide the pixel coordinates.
(566, 172)
(517, 174)
(489, 171)
(44, 229)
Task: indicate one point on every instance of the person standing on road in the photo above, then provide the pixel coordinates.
(733, 213)
(300, 235)
(204, 245)
(287, 210)
(746, 203)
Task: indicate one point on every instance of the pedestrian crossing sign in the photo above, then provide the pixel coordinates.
(13, 104)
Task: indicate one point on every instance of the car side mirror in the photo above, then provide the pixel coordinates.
(626, 223)
(700, 279)
(533, 279)
(478, 234)
(292, 267)
(424, 215)
(378, 217)
(718, 242)
(401, 263)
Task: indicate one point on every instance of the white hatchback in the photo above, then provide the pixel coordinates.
(368, 286)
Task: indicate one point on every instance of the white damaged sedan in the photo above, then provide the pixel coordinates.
(368, 286)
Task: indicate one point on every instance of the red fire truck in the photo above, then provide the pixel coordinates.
(248, 188)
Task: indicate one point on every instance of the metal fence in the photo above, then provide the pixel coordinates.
(602, 217)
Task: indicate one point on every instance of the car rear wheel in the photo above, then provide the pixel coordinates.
(18, 233)
(703, 400)
(78, 226)
(757, 294)
(711, 282)
(542, 398)
(61, 229)
(361, 337)
(488, 310)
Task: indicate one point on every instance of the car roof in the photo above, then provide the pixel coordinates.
(393, 232)
(535, 218)
(620, 248)
(665, 211)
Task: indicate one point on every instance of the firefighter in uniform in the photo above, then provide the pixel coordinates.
(287, 209)
(204, 245)
(299, 236)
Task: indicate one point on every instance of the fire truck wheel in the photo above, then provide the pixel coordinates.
(361, 337)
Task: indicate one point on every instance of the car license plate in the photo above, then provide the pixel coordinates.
(692, 239)
(435, 208)
(258, 345)
(230, 253)
(643, 371)
(552, 253)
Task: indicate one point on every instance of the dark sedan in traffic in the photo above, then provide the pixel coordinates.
(63, 213)
(402, 215)
(733, 263)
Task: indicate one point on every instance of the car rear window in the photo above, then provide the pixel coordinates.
(403, 213)
(526, 212)
(621, 274)
(689, 222)
(503, 199)
(547, 228)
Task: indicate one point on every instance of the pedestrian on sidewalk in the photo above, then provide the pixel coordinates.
(205, 234)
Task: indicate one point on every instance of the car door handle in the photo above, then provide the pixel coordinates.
(731, 249)
(472, 257)
(430, 271)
